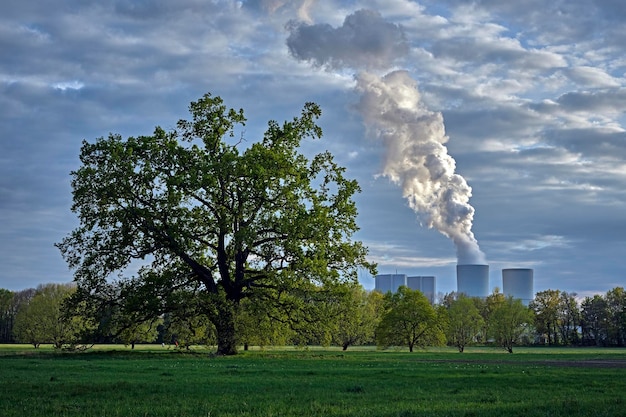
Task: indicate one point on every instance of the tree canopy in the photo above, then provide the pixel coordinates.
(510, 320)
(464, 322)
(208, 218)
(409, 320)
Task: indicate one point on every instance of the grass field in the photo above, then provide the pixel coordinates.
(156, 381)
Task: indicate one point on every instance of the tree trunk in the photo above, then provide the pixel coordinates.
(225, 327)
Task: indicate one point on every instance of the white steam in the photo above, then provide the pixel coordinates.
(414, 137)
(417, 159)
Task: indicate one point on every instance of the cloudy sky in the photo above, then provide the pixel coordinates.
(498, 124)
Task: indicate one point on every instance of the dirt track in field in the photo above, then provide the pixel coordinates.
(589, 363)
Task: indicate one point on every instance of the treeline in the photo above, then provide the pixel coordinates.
(344, 316)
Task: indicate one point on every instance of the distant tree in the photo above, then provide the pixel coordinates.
(409, 320)
(595, 320)
(6, 315)
(509, 321)
(188, 325)
(487, 307)
(546, 308)
(358, 317)
(464, 322)
(448, 299)
(10, 304)
(212, 218)
(140, 332)
(616, 316)
(41, 320)
(568, 319)
(314, 317)
(260, 324)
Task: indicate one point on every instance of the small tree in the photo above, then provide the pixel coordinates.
(141, 332)
(41, 320)
(509, 321)
(409, 320)
(616, 315)
(464, 322)
(595, 320)
(6, 315)
(569, 318)
(358, 317)
(487, 307)
(546, 308)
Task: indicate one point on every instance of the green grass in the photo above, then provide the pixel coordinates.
(155, 381)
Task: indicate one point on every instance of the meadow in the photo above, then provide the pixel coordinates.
(155, 381)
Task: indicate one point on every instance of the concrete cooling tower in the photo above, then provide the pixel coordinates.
(472, 280)
(518, 283)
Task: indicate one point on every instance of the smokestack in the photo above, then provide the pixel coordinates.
(473, 280)
(417, 159)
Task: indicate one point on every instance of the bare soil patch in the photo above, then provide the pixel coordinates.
(585, 363)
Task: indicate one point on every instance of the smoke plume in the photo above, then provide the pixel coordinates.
(365, 40)
(417, 159)
(414, 137)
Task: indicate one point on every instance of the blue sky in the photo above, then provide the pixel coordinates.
(524, 102)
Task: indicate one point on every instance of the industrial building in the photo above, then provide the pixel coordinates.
(391, 282)
(518, 283)
(472, 280)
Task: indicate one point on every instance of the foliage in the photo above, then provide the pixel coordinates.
(185, 327)
(546, 306)
(140, 332)
(260, 324)
(409, 320)
(358, 317)
(464, 322)
(487, 308)
(595, 320)
(6, 315)
(568, 320)
(616, 314)
(41, 320)
(508, 322)
(10, 304)
(208, 219)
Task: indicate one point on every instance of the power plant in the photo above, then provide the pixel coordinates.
(472, 280)
(391, 282)
(518, 283)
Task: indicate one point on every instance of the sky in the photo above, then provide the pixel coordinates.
(487, 131)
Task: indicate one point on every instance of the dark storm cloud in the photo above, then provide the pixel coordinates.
(365, 40)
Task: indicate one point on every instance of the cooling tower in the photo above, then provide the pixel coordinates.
(472, 280)
(518, 283)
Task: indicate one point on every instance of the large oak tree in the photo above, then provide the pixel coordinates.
(211, 218)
